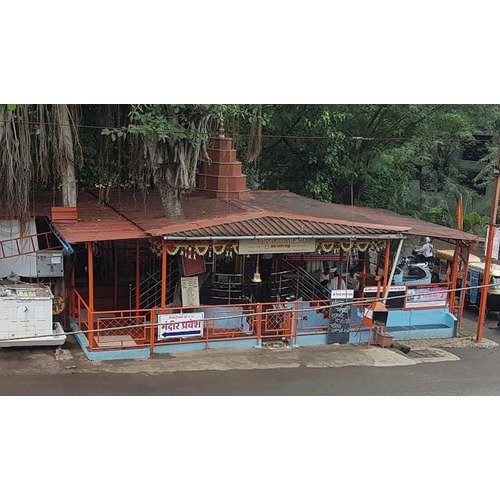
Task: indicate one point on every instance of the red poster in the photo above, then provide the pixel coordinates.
(192, 267)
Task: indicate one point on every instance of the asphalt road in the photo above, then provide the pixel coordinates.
(477, 373)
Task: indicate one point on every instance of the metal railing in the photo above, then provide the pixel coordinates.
(27, 244)
(150, 289)
(121, 329)
(296, 283)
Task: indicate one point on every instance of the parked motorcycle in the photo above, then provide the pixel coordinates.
(411, 272)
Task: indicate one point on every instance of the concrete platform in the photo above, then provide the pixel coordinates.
(331, 356)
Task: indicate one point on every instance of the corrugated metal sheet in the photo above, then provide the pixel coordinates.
(278, 226)
(284, 201)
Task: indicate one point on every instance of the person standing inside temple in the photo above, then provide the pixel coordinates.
(337, 282)
(324, 277)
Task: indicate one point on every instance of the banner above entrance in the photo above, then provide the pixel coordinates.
(277, 245)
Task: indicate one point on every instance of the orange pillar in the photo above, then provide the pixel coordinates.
(137, 275)
(115, 275)
(487, 263)
(90, 272)
(72, 293)
(164, 283)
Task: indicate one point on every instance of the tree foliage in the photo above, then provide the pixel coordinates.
(373, 154)
(38, 146)
(364, 154)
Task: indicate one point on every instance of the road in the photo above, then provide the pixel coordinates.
(477, 373)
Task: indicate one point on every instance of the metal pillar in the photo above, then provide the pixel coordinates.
(393, 270)
(489, 250)
(164, 275)
(90, 273)
(137, 275)
(115, 274)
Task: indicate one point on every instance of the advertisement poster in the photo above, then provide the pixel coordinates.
(426, 297)
(175, 326)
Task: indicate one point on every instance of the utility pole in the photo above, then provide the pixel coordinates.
(489, 248)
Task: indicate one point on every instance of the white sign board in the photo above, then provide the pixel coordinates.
(276, 245)
(496, 243)
(426, 297)
(190, 291)
(341, 294)
(175, 326)
(392, 288)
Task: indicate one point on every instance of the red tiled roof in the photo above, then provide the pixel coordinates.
(132, 215)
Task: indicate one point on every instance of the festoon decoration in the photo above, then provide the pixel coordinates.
(346, 246)
(192, 250)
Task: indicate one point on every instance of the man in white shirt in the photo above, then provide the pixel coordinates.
(337, 282)
(425, 252)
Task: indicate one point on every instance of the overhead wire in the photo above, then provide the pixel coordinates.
(269, 136)
(364, 302)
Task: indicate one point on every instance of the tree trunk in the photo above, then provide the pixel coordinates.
(66, 155)
(165, 181)
(169, 195)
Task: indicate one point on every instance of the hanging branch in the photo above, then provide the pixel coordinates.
(16, 166)
(255, 143)
(173, 141)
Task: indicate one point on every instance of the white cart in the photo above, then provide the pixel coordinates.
(26, 316)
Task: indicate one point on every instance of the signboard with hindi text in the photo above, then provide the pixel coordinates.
(276, 245)
(190, 291)
(496, 243)
(175, 326)
(395, 296)
(339, 327)
(426, 297)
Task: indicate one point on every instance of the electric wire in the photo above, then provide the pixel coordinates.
(363, 302)
(232, 134)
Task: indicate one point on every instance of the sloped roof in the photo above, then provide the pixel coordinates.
(132, 215)
(287, 201)
(281, 226)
